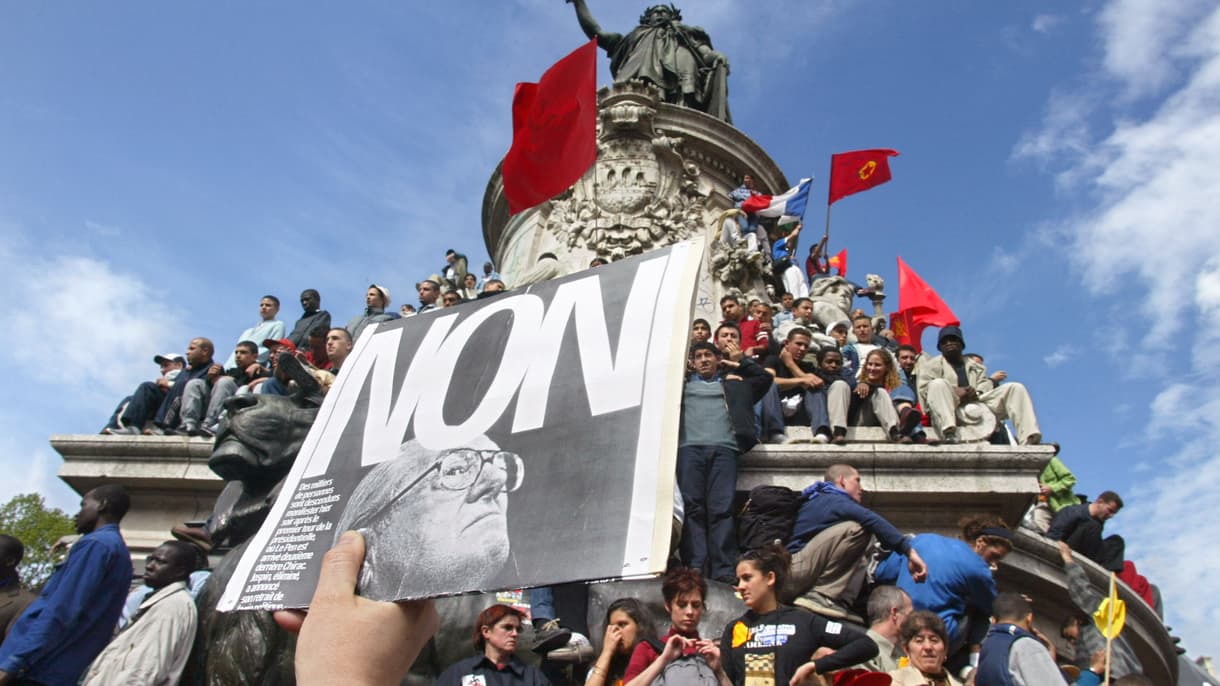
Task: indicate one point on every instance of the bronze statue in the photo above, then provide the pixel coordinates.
(254, 450)
(675, 57)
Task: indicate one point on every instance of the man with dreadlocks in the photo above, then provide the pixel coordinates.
(677, 58)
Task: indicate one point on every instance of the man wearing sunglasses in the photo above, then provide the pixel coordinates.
(433, 518)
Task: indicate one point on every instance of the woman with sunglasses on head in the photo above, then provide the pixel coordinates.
(778, 642)
(495, 637)
(959, 587)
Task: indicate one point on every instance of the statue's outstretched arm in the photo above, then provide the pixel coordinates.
(592, 29)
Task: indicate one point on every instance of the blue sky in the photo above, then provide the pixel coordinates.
(165, 164)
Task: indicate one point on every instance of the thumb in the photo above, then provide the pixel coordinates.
(340, 567)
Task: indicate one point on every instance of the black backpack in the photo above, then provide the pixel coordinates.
(769, 514)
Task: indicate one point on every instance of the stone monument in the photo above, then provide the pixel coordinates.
(663, 174)
(676, 58)
(668, 158)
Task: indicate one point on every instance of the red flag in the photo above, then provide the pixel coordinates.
(918, 308)
(839, 262)
(554, 130)
(858, 170)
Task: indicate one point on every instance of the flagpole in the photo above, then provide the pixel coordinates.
(826, 234)
(1109, 639)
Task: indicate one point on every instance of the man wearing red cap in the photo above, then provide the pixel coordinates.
(277, 382)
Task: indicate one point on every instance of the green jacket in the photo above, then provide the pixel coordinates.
(1062, 482)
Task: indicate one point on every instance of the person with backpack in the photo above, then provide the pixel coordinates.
(829, 539)
(774, 642)
(680, 657)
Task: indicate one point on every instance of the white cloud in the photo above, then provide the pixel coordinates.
(1063, 134)
(1155, 224)
(82, 326)
(1145, 248)
(1060, 355)
(104, 230)
(1143, 41)
(30, 467)
(1045, 23)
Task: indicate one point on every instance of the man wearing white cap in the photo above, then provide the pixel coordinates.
(376, 309)
(153, 391)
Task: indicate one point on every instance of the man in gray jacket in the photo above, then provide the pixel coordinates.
(1088, 639)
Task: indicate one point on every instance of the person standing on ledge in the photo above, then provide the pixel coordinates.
(677, 58)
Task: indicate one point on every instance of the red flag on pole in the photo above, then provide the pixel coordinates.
(918, 308)
(858, 170)
(554, 130)
(839, 262)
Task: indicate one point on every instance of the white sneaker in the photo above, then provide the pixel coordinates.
(822, 439)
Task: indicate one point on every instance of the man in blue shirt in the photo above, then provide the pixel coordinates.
(74, 618)
(829, 539)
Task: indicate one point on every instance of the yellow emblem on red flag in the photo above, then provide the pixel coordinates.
(867, 170)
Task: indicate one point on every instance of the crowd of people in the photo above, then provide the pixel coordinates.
(931, 613)
(831, 588)
(853, 374)
(188, 397)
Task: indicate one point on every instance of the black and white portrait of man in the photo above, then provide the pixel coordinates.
(430, 516)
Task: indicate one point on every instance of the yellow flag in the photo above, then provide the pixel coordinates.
(1111, 614)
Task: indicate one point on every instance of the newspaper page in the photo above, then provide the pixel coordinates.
(514, 441)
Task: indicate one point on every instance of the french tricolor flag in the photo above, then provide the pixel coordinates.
(789, 206)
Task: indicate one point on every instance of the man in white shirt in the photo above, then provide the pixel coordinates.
(154, 647)
(269, 327)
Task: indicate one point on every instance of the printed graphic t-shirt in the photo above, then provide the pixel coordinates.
(766, 650)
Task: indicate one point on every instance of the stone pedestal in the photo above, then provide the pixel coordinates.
(167, 477)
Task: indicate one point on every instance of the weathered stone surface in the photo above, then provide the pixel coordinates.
(167, 476)
(919, 488)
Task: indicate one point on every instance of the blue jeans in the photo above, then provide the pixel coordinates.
(272, 386)
(768, 415)
(141, 406)
(707, 478)
(542, 603)
(813, 411)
